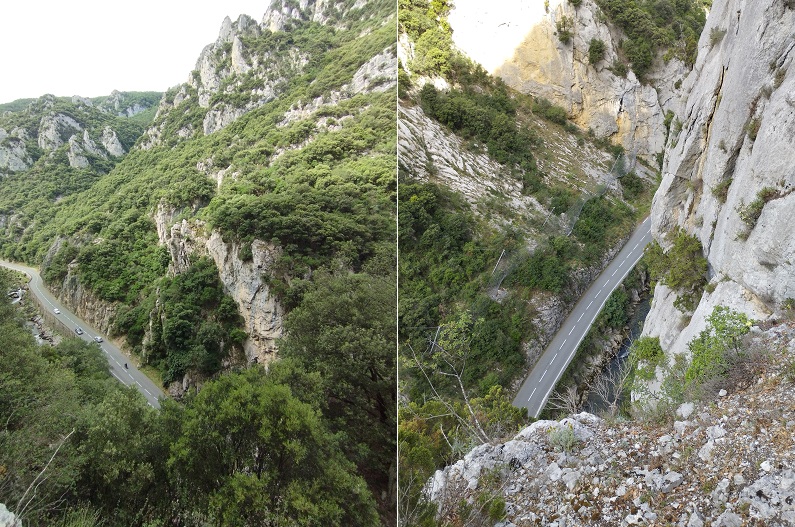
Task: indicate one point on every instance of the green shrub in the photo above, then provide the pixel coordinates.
(596, 51)
(716, 35)
(721, 190)
(653, 26)
(245, 253)
(752, 127)
(750, 213)
(789, 371)
(647, 349)
(780, 74)
(711, 350)
(632, 186)
(669, 117)
(619, 69)
(683, 268)
(562, 438)
(564, 27)
(549, 111)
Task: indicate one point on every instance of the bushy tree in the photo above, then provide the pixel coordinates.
(596, 50)
(712, 350)
(249, 452)
(353, 350)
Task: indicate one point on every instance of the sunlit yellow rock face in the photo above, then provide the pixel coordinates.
(489, 32)
(519, 42)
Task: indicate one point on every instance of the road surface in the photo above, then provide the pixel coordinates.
(539, 384)
(130, 375)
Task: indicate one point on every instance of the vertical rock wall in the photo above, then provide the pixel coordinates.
(517, 41)
(728, 175)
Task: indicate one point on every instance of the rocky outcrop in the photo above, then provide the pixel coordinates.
(727, 176)
(118, 103)
(13, 154)
(230, 67)
(726, 463)
(244, 281)
(281, 12)
(55, 129)
(81, 148)
(75, 154)
(86, 305)
(7, 518)
(375, 75)
(518, 42)
(110, 141)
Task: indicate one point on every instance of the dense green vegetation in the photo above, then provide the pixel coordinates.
(672, 26)
(196, 327)
(15, 106)
(425, 22)
(461, 348)
(251, 448)
(683, 268)
(320, 189)
(596, 50)
(486, 115)
(34, 197)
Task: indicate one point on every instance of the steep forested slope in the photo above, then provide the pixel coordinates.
(78, 449)
(507, 212)
(51, 150)
(256, 215)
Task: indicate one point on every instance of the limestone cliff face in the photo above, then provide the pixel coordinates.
(727, 176)
(229, 65)
(244, 281)
(71, 292)
(13, 154)
(518, 42)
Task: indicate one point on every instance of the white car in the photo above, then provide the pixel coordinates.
(79, 331)
(56, 311)
(98, 338)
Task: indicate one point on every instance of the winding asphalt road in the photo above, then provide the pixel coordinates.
(539, 384)
(130, 375)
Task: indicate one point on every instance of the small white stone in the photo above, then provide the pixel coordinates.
(684, 410)
(722, 393)
(766, 466)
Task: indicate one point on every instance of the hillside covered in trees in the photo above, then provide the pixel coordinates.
(265, 182)
(507, 212)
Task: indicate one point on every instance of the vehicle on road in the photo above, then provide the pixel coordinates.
(56, 311)
(79, 331)
(98, 338)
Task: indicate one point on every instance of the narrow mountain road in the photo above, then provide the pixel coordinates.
(129, 375)
(539, 384)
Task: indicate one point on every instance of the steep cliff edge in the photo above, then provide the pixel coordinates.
(518, 41)
(728, 463)
(727, 176)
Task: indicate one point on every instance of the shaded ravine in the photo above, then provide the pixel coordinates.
(541, 380)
